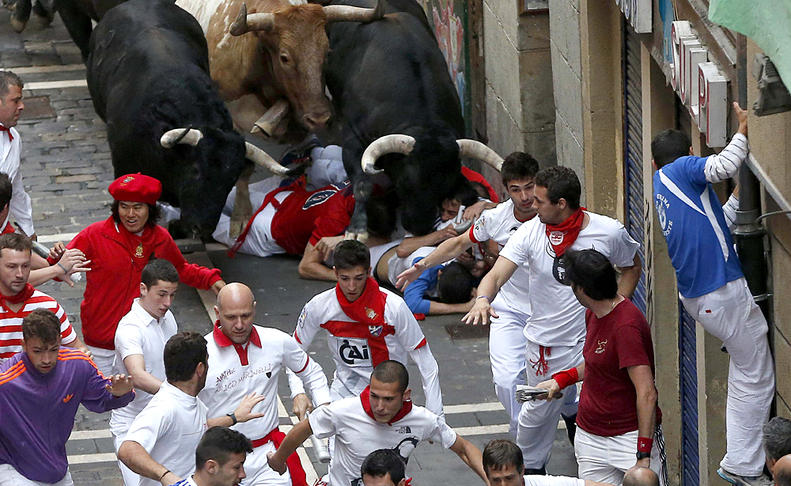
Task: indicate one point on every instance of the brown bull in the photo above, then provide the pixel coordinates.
(267, 59)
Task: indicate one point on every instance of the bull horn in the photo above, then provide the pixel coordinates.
(246, 23)
(263, 159)
(347, 13)
(188, 136)
(474, 149)
(394, 143)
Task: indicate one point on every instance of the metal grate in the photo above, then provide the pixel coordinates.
(690, 454)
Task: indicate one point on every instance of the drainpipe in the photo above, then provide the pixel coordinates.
(749, 234)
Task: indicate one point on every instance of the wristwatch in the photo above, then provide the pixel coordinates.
(643, 455)
(232, 415)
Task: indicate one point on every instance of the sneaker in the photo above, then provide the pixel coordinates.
(737, 480)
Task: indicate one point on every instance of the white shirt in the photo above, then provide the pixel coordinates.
(140, 333)
(357, 434)
(553, 481)
(20, 207)
(557, 317)
(235, 372)
(169, 429)
(396, 265)
(498, 224)
(356, 348)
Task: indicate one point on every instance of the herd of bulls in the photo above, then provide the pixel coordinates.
(178, 83)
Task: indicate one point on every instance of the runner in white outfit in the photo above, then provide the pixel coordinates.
(512, 305)
(245, 358)
(382, 417)
(556, 329)
(219, 459)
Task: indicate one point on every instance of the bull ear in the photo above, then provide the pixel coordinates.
(346, 13)
(474, 149)
(256, 21)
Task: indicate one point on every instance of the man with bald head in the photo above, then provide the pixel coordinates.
(246, 358)
(640, 476)
(782, 471)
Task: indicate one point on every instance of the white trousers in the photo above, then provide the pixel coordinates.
(10, 477)
(730, 314)
(103, 359)
(507, 344)
(538, 420)
(606, 459)
(258, 471)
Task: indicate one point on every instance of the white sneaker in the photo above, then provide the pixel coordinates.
(737, 480)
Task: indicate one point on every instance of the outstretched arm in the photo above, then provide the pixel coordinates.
(412, 243)
(471, 456)
(487, 290)
(295, 437)
(312, 266)
(725, 164)
(136, 458)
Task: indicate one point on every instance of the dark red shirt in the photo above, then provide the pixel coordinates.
(615, 342)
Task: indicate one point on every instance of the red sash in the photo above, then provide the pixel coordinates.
(18, 298)
(369, 308)
(293, 464)
(563, 235)
(365, 398)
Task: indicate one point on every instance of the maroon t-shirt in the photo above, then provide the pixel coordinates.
(613, 343)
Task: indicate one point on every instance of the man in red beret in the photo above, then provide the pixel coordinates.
(119, 247)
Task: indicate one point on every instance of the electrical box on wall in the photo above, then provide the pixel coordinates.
(773, 96)
(712, 103)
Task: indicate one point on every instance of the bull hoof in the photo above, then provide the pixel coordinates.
(362, 236)
(17, 25)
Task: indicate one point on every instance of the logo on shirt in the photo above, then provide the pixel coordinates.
(559, 271)
(513, 230)
(68, 398)
(375, 331)
(318, 198)
(662, 204)
(601, 344)
(404, 429)
(556, 237)
(405, 447)
(370, 313)
(350, 352)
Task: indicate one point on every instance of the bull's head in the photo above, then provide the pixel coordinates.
(213, 160)
(295, 46)
(429, 172)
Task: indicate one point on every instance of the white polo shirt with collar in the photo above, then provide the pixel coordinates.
(140, 333)
(169, 429)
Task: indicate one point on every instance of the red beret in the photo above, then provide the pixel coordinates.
(136, 188)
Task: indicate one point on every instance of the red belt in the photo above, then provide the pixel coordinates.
(275, 436)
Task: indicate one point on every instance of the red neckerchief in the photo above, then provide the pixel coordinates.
(268, 199)
(241, 349)
(563, 235)
(365, 398)
(369, 308)
(18, 298)
(7, 130)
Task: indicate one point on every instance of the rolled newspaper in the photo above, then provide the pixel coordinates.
(320, 446)
(43, 252)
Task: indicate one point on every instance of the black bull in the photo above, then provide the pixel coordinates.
(389, 77)
(148, 73)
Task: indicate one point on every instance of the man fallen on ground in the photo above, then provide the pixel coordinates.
(41, 389)
(382, 417)
(219, 459)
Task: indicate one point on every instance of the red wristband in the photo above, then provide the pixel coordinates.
(644, 444)
(566, 377)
